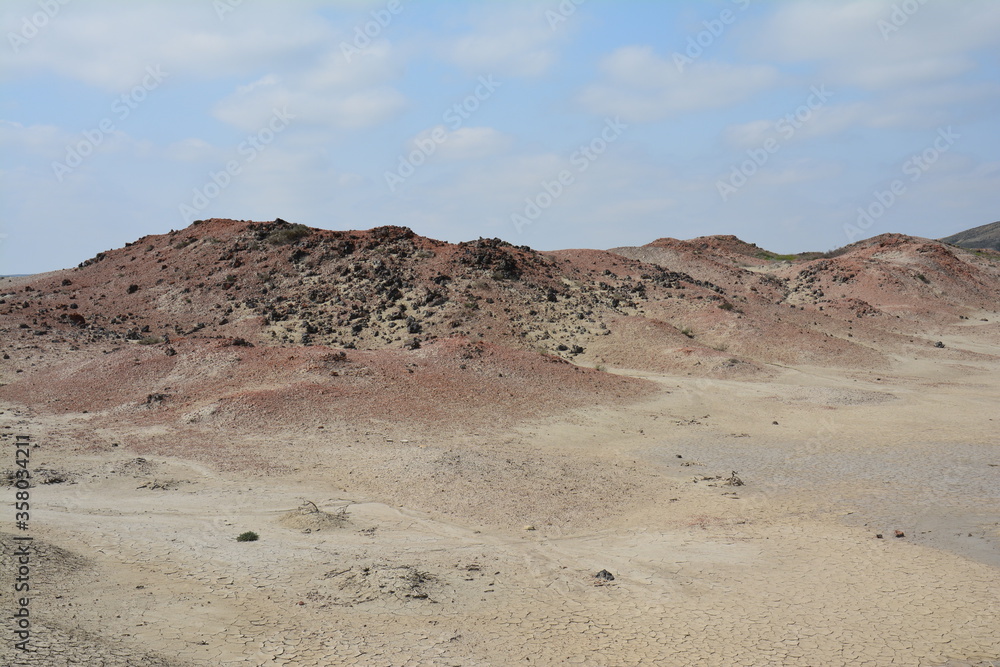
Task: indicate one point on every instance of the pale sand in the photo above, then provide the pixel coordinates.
(434, 567)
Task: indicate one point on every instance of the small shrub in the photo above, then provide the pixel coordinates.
(725, 305)
(150, 340)
(288, 235)
(687, 332)
(248, 536)
(923, 278)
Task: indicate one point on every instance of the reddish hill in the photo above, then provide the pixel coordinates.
(429, 326)
(858, 306)
(276, 283)
(900, 275)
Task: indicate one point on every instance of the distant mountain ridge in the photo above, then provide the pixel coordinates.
(984, 236)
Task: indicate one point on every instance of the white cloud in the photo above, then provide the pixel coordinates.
(193, 150)
(852, 45)
(34, 139)
(325, 90)
(332, 108)
(268, 80)
(799, 171)
(641, 86)
(515, 39)
(475, 142)
(110, 44)
(749, 135)
(465, 143)
(801, 123)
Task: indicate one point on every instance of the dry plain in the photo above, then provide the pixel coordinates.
(419, 553)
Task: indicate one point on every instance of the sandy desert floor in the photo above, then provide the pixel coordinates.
(383, 547)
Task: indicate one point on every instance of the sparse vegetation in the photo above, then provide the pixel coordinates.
(774, 257)
(687, 332)
(921, 277)
(248, 536)
(180, 245)
(151, 340)
(288, 235)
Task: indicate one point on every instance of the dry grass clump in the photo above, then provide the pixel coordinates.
(308, 516)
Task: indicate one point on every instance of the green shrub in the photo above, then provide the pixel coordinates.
(248, 536)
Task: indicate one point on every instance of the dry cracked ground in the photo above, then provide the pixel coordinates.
(381, 546)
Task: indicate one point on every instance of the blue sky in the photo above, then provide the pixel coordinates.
(559, 124)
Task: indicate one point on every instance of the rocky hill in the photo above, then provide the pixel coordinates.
(982, 237)
(212, 311)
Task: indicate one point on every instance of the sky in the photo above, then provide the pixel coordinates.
(555, 124)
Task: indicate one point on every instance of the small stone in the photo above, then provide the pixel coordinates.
(529, 527)
(604, 575)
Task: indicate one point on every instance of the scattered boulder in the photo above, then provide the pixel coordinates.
(604, 575)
